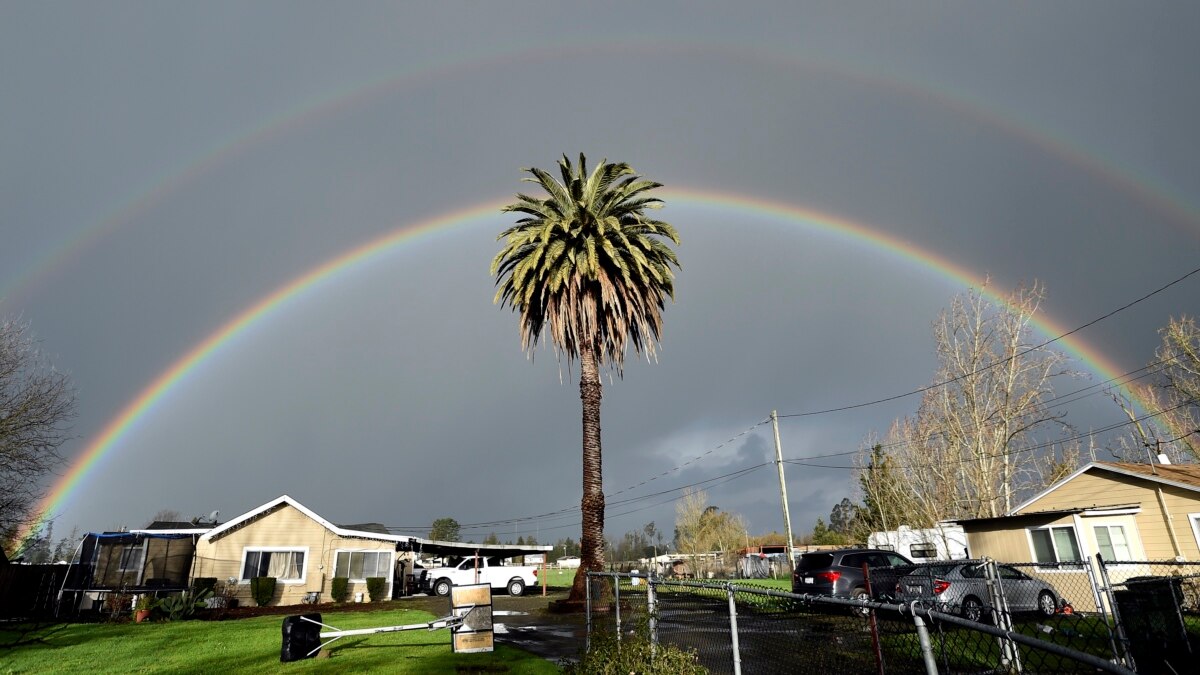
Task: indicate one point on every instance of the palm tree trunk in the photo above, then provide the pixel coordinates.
(592, 503)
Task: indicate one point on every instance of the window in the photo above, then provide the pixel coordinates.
(1111, 541)
(1055, 544)
(363, 564)
(923, 549)
(283, 564)
(131, 558)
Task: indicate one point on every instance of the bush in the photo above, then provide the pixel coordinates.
(339, 589)
(184, 605)
(633, 654)
(377, 588)
(200, 584)
(262, 589)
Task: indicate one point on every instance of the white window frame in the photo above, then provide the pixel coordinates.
(246, 550)
(391, 566)
(1124, 531)
(1194, 521)
(1074, 527)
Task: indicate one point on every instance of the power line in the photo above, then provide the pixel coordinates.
(1001, 361)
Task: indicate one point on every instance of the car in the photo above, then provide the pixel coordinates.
(962, 588)
(840, 573)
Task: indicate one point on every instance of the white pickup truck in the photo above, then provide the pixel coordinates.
(514, 578)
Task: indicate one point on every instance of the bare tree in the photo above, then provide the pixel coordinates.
(1172, 400)
(968, 451)
(36, 403)
(701, 529)
(165, 516)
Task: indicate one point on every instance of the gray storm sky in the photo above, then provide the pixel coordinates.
(163, 167)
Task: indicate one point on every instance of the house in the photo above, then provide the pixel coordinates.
(1122, 511)
(304, 551)
(301, 549)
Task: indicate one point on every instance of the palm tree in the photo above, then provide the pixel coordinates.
(588, 265)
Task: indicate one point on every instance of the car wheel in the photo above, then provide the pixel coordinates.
(442, 587)
(860, 594)
(516, 587)
(1047, 605)
(971, 609)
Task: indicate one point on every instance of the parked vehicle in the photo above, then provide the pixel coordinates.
(962, 588)
(513, 578)
(840, 573)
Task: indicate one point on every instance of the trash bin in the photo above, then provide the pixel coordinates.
(1150, 613)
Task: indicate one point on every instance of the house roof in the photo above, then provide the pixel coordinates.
(378, 532)
(1184, 476)
(378, 528)
(284, 500)
(1049, 513)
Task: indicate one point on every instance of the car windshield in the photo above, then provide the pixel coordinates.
(815, 561)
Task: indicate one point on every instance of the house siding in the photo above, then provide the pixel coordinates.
(1098, 487)
(1010, 544)
(283, 527)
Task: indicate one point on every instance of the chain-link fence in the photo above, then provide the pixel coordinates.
(1156, 611)
(742, 628)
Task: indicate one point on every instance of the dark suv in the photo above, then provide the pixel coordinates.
(839, 573)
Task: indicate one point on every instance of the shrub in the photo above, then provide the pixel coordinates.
(262, 589)
(339, 589)
(377, 588)
(184, 605)
(633, 654)
(117, 603)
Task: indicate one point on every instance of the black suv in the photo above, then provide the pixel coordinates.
(840, 573)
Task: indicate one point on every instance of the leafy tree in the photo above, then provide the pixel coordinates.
(491, 538)
(444, 529)
(36, 403)
(823, 535)
(586, 265)
(841, 519)
(66, 547)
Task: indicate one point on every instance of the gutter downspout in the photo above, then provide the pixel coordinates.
(1168, 520)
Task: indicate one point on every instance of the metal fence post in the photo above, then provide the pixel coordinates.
(1010, 655)
(733, 630)
(1116, 614)
(587, 639)
(616, 581)
(652, 613)
(1105, 612)
(926, 646)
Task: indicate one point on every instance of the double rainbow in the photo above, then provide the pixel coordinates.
(328, 272)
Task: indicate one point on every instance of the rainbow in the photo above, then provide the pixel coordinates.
(339, 266)
(311, 111)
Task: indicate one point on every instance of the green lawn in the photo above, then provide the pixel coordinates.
(252, 645)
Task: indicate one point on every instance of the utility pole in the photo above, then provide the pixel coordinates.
(787, 518)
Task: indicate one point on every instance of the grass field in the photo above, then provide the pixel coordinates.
(252, 646)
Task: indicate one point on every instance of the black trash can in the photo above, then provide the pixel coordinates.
(1150, 611)
(301, 637)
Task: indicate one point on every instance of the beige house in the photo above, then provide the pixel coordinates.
(303, 551)
(1123, 512)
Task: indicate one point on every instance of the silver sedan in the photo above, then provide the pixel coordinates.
(962, 588)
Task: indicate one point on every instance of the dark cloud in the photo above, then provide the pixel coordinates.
(224, 150)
